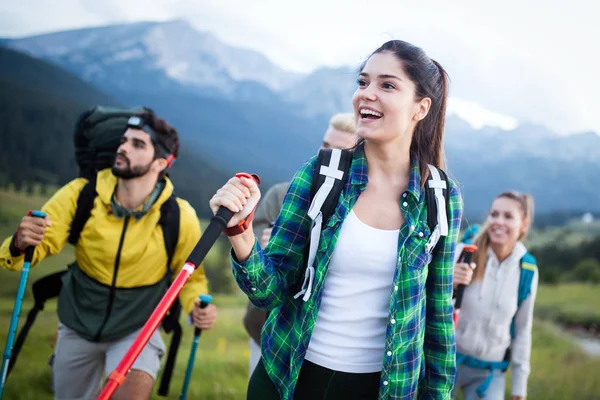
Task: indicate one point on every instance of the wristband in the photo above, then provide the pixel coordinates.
(241, 227)
(15, 251)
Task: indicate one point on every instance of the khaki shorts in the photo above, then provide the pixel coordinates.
(80, 366)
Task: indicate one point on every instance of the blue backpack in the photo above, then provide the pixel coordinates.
(528, 270)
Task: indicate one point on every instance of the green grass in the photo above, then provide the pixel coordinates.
(220, 368)
(13, 206)
(574, 303)
(560, 370)
(570, 235)
(221, 364)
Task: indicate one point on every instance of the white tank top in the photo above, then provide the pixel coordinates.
(349, 334)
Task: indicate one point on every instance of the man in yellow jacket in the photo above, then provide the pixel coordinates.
(120, 273)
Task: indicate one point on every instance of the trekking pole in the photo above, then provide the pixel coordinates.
(467, 255)
(14, 320)
(43, 289)
(205, 300)
(217, 223)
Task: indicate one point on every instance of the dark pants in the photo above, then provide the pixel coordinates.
(317, 383)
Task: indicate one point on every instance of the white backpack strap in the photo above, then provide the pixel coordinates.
(437, 184)
(331, 173)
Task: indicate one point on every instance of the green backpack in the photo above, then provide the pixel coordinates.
(97, 136)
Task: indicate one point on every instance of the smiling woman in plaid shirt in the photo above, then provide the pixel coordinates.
(378, 324)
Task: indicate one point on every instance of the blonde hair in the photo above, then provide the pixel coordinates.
(482, 240)
(344, 122)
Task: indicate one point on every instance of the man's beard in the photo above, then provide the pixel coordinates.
(128, 172)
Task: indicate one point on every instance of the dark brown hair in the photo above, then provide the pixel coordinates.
(167, 134)
(431, 80)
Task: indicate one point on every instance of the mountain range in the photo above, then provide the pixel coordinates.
(237, 111)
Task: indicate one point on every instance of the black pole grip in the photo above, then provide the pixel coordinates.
(29, 253)
(468, 257)
(203, 304)
(460, 290)
(30, 249)
(217, 223)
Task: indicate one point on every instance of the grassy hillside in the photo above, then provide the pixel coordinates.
(574, 304)
(560, 369)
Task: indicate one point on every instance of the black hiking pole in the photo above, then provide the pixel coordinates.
(205, 300)
(14, 321)
(217, 223)
(466, 256)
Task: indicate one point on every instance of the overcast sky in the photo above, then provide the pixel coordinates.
(533, 60)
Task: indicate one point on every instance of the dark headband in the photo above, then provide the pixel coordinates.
(138, 123)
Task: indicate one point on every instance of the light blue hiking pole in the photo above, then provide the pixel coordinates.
(14, 321)
(205, 300)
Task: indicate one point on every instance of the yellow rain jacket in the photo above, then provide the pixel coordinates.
(120, 269)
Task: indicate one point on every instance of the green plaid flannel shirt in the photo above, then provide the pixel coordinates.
(419, 354)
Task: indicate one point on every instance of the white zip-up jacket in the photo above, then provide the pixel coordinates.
(486, 314)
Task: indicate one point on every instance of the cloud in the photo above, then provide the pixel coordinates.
(533, 60)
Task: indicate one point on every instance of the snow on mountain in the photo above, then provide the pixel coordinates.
(182, 53)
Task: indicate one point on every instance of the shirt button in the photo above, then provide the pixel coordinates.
(412, 228)
(393, 321)
(395, 288)
(420, 234)
(389, 353)
(404, 194)
(385, 383)
(405, 204)
(254, 289)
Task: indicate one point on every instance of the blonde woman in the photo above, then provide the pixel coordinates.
(494, 329)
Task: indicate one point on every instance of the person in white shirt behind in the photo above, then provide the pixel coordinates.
(486, 339)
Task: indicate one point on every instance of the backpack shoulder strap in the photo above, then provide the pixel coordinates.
(329, 177)
(528, 266)
(437, 199)
(169, 222)
(85, 203)
(331, 173)
(528, 271)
